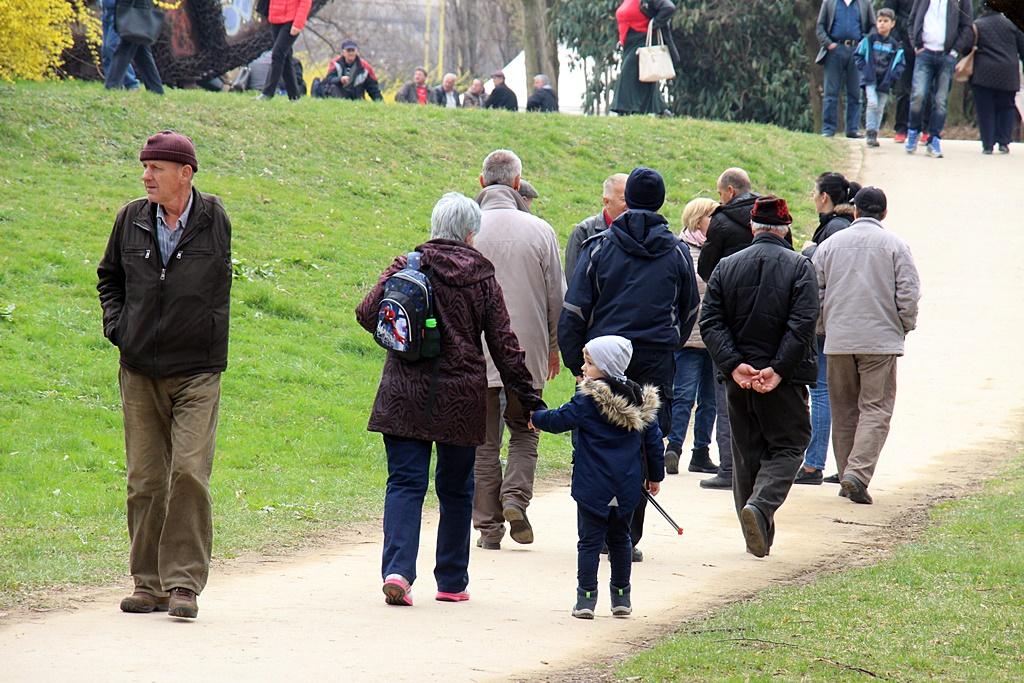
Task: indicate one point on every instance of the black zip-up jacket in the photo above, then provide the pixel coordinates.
(761, 307)
(903, 10)
(502, 97)
(542, 99)
(660, 12)
(728, 232)
(168, 321)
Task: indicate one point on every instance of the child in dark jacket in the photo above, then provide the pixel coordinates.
(879, 58)
(618, 453)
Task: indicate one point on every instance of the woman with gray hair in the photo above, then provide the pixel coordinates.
(441, 401)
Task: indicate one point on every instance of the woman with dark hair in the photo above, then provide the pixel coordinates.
(438, 403)
(633, 18)
(833, 197)
(996, 78)
(287, 18)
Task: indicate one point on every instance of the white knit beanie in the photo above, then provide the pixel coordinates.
(611, 354)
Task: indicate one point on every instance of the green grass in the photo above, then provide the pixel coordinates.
(945, 607)
(322, 195)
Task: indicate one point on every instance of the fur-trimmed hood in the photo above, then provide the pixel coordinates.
(621, 409)
(843, 210)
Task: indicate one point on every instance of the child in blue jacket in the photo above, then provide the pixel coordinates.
(619, 451)
(879, 58)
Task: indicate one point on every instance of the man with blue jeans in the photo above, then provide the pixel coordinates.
(841, 26)
(940, 32)
(111, 39)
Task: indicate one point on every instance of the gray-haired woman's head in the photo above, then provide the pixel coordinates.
(455, 217)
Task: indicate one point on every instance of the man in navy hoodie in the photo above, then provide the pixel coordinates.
(637, 282)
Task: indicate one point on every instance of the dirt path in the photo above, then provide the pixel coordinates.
(323, 617)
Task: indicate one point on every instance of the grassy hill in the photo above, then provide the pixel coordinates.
(322, 195)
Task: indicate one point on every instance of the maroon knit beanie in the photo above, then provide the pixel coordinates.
(170, 146)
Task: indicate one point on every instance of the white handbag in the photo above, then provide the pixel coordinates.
(655, 60)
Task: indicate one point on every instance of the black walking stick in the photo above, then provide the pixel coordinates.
(668, 518)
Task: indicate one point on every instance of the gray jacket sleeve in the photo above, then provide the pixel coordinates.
(822, 30)
(572, 250)
(908, 288)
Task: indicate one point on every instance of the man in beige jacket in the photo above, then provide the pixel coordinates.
(524, 251)
(869, 290)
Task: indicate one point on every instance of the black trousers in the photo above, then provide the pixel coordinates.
(139, 55)
(770, 433)
(657, 367)
(281, 62)
(996, 112)
(594, 531)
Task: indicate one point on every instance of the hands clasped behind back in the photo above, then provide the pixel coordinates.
(762, 381)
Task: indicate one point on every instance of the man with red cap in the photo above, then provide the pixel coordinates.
(758, 319)
(164, 286)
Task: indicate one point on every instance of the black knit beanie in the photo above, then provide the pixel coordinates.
(645, 189)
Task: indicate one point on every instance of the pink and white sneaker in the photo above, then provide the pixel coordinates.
(461, 596)
(397, 590)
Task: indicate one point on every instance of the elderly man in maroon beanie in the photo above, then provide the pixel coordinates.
(758, 319)
(164, 286)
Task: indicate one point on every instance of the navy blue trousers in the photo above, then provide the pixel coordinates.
(408, 474)
(594, 531)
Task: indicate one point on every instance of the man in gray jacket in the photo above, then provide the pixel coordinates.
(869, 293)
(614, 199)
(524, 251)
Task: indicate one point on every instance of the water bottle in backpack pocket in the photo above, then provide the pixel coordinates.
(406, 321)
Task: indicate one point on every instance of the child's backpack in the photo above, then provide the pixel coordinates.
(406, 322)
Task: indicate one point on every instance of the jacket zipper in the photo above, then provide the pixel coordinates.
(163, 276)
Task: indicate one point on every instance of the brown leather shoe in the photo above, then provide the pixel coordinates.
(141, 602)
(183, 603)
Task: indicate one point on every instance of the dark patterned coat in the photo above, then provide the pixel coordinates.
(469, 303)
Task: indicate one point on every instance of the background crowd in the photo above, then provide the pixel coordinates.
(914, 49)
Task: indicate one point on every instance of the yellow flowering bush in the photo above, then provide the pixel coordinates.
(35, 35)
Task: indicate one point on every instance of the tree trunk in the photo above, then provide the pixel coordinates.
(539, 44)
(807, 14)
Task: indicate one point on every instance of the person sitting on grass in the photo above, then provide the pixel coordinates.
(618, 453)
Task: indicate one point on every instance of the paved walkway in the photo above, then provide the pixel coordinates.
(323, 617)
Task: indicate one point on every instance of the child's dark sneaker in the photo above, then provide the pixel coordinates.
(586, 603)
(621, 607)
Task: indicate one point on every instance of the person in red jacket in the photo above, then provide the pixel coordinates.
(287, 18)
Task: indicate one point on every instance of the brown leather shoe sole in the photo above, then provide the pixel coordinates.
(185, 607)
(141, 602)
(856, 491)
(753, 524)
(519, 526)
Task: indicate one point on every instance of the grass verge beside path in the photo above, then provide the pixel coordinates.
(322, 195)
(945, 607)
